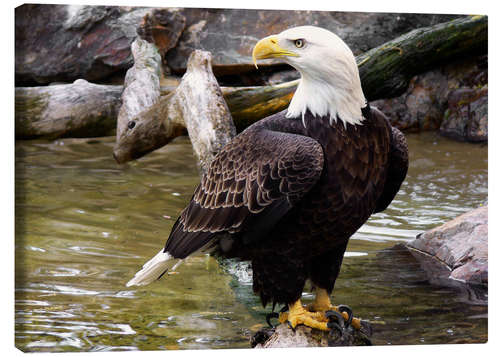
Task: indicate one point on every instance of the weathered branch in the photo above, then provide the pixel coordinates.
(303, 336)
(92, 109)
(250, 104)
(386, 70)
(80, 109)
(196, 104)
(142, 82)
(199, 102)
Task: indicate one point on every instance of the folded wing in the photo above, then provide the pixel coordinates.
(250, 185)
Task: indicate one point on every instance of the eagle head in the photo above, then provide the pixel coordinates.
(329, 84)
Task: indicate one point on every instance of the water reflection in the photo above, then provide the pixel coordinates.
(84, 225)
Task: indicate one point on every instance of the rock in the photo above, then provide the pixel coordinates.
(283, 336)
(452, 98)
(457, 251)
(163, 27)
(466, 118)
(67, 42)
(230, 34)
(421, 107)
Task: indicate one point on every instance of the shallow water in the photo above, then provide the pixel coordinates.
(85, 225)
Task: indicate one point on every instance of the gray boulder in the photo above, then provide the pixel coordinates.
(452, 98)
(457, 251)
(66, 42)
(466, 118)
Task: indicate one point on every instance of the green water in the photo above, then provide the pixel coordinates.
(85, 225)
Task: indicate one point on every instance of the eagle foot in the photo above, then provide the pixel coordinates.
(298, 315)
(344, 310)
(271, 315)
(344, 331)
(338, 334)
(275, 315)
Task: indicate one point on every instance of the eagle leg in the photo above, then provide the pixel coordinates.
(298, 315)
(323, 304)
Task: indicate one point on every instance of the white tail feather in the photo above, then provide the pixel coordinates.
(154, 268)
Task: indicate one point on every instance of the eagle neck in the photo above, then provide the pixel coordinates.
(339, 99)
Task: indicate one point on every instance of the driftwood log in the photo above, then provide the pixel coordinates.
(198, 101)
(142, 82)
(283, 336)
(78, 109)
(197, 104)
(38, 111)
(385, 72)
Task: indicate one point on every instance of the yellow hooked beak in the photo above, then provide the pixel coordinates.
(268, 48)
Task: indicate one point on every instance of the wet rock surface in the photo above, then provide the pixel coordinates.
(467, 115)
(457, 251)
(163, 27)
(452, 99)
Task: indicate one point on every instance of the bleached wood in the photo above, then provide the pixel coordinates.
(79, 109)
(199, 102)
(197, 105)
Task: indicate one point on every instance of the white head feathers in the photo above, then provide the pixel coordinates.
(330, 83)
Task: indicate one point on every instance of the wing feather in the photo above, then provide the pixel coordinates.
(248, 187)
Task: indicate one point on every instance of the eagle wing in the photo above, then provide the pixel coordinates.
(252, 182)
(397, 166)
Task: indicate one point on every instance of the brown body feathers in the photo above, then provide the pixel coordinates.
(288, 197)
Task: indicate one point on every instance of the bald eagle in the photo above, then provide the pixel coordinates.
(289, 191)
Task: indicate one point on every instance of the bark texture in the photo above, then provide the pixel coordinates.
(196, 104)
(79, 109)
(386, 70)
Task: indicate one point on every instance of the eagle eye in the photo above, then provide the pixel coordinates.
(299, 43)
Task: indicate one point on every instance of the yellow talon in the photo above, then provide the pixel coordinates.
(314, 315)
(322, 303)
(298, 315)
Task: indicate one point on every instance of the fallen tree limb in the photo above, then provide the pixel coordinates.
(199, 102)
(385, 72)
(77, 110)
(250, 104)
(196, 104)
(92, 109)
(142, 83)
